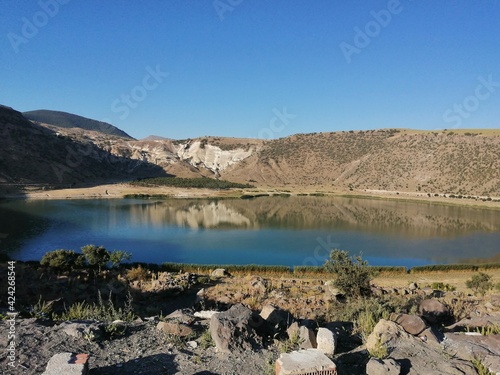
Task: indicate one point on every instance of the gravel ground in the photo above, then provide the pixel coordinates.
(143, 350)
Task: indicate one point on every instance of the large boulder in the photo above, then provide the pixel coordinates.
(433, 311)
(232, 330)
(411, 323)
(415, 356)
(469, 347)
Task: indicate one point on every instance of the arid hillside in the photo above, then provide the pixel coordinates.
(453, 162)
(33, 154)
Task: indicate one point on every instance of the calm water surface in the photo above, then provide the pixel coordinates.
(267, 230)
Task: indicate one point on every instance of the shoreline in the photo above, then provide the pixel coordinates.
(120, 190)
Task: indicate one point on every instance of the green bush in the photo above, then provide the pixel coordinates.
(198, 183)
(96, 255)
(480, 283)
(352, 273)
(64, 260)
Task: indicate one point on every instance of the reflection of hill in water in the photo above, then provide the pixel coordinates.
(192, 214)
(379, 216)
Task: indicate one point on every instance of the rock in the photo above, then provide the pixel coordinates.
(307, 338)
(293, 330)
(205, 314)
(431, 336)
(413, 286)
(310, 361)
(275, 316)
(492, 362)
(411, 323)
(231, 330)
(433, 311)
(476, 323)
(259, 285)
(182, 316)
(83, 329)
(192, 344)
(415, 356)
(220, 272)
(67, 364)
(326, 341)
(469, 347)
(382, 367)
(175, 329)
(335, 292)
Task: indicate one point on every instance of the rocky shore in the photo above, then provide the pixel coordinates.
(154, 322)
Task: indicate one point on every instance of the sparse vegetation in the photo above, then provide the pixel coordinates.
(63, 260)
(352, 273)
(480, 283)
(197, 183)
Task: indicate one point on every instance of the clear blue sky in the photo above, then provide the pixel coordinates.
(233, 68)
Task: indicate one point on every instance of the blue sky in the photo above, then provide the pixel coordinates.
(255, 68)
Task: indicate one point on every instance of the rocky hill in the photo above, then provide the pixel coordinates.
(33, 154)
(460, 162)
(69, 120)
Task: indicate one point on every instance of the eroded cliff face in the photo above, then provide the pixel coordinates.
(200, 154)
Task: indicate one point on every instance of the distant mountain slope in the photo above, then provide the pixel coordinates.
(454, 162)
(32, 154)
(68, 120)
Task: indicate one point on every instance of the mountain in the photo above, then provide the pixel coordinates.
(69, 120)
(33, 154)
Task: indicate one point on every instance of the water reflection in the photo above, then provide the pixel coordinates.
(272, 230)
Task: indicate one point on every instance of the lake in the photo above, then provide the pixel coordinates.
(266, 230)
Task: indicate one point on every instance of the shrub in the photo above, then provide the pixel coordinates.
(353, 273)
(118, 256)
(137, 273)
(63, 260)
(480, 283)
(96, 255)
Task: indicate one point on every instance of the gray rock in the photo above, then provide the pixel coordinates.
(326, 341)
(382, 367)
(293, 330)
(413, 286)
(492, 362)
(231, 330)
(415, 356)
(307, 338)
(310, 361)
(67, 364)
(469, 347)
(83, 329)
(274, 316)
(411, 323)
(433, 311)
